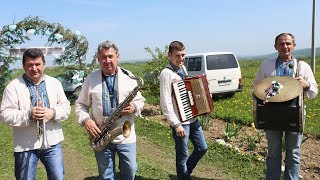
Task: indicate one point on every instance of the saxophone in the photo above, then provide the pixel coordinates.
(113, 126)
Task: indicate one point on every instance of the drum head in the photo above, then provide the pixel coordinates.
(290, 88)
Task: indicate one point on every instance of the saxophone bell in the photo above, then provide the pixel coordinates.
(126, 129)
(114, 125)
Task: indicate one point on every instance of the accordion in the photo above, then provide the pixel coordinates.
(192, 97)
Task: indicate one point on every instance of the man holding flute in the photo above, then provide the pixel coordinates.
(34, 104)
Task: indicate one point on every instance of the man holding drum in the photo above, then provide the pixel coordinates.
(286, 65)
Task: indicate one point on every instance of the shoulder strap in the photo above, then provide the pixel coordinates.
(298, 69)
(126, 72)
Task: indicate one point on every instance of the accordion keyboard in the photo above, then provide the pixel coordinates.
(184, 100)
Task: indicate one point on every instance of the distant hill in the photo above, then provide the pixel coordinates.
(296, 53)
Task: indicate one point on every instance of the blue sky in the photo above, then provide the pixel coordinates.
(245, 27)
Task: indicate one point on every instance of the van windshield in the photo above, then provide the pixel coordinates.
(221, 61)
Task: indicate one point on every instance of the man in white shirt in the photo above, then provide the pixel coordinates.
(286, 65)
(102, 91)
(34, 105)
(181, 131)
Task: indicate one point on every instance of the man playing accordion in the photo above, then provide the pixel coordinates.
(182, 131)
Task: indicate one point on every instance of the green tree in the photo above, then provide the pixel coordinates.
(75, 45)
(152, 71)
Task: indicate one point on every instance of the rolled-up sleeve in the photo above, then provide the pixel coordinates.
(83, 103)
(10, 113)
(307, 74)
(62, 107)
(138, 102)
(166, 103)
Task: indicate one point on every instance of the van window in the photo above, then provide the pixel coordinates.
(194, 63)
(221, 61)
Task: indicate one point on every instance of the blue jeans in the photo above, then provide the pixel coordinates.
(293, 142)
(26, 163)
(127, 161)
(185, 163)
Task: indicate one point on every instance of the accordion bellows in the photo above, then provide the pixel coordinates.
(192, 97)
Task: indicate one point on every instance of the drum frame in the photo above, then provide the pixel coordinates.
(280, 116)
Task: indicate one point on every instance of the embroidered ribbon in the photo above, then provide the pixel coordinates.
(284, 68)
(178, 70)
(109, 94)
(36, 94)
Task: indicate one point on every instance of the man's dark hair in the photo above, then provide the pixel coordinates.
(286, 34)
(33, 53)
(176, 45)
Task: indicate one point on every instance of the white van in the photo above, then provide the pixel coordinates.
(221, 68)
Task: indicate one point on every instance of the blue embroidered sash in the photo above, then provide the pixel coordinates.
(284, 68)
(36, 94)
(109, 94)
(178, 70)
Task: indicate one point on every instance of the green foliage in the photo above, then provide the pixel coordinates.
(136, 68)
(152, 71)
(231, 130)
(5, 74)
(205, 121)
(251, 143)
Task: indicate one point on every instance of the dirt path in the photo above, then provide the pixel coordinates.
(76, 167)
(166, 160)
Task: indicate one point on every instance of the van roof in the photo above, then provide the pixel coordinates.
(208, 53)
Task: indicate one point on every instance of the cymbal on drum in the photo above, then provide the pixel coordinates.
(290, 88)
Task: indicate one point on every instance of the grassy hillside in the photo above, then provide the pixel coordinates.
(296, 53)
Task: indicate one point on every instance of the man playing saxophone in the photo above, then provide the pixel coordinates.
(103, 91)
(34, 105)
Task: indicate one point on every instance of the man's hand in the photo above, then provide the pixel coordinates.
(92, 128)
(129, 109)
(41, 114)
(37, 113)
(180, 131)
(48, 114)
(305, 84)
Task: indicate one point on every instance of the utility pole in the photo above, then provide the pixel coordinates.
(313, 43)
